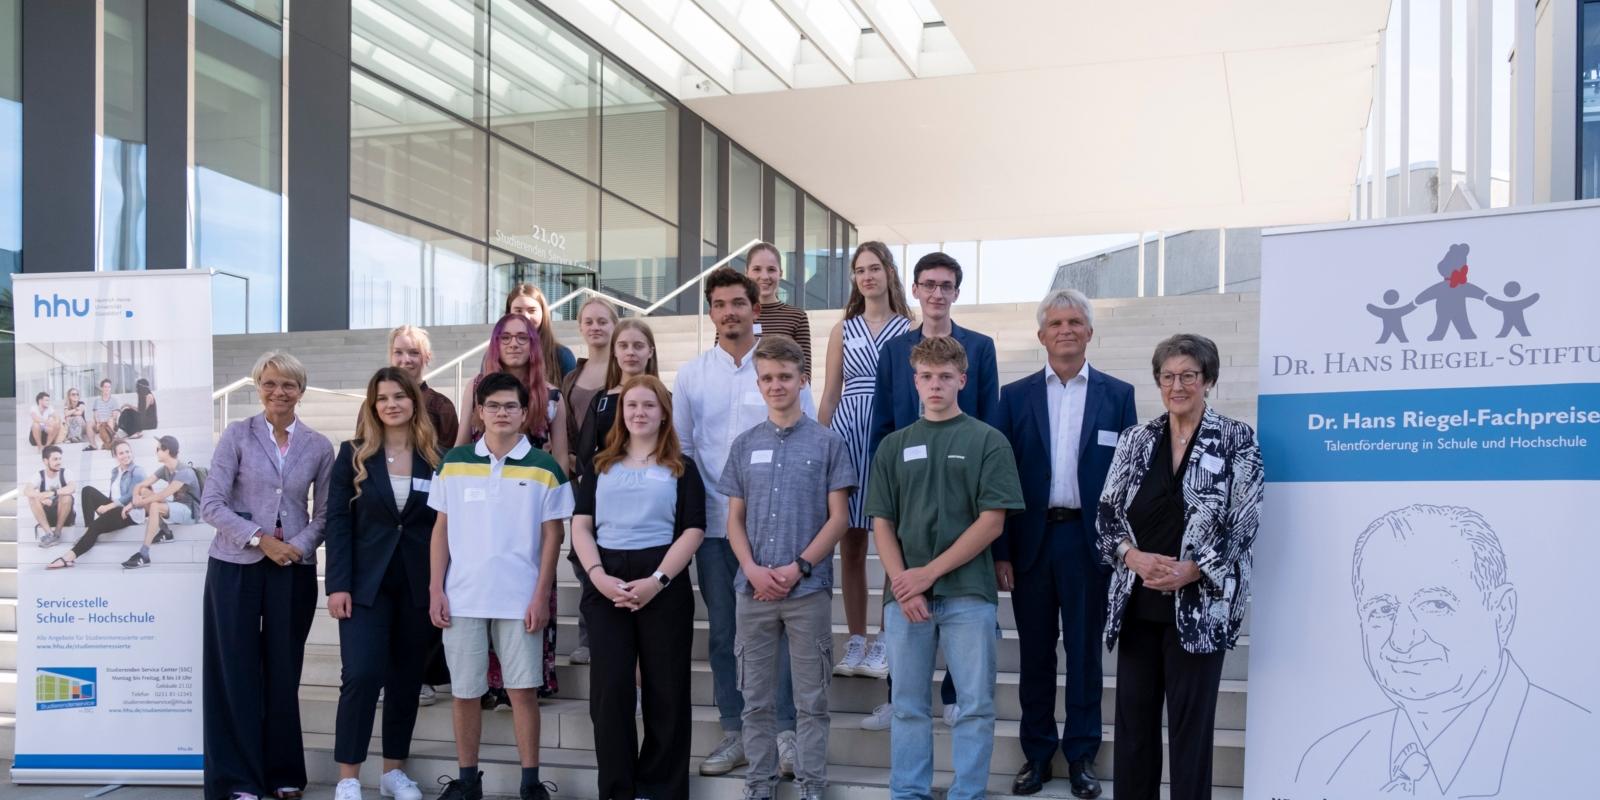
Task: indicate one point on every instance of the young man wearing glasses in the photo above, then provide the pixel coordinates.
(936, 283)
(491, 578)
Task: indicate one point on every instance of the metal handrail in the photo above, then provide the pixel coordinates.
(645, 311)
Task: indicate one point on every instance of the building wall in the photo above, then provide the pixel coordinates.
(1191, 266)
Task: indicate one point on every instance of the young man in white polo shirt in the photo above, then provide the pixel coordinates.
(501, 503)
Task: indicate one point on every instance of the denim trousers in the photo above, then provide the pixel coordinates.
(716, 565)
(806, 623)
(963, 628)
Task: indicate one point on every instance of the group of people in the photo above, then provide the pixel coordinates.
(99, 423)
(1104, 530)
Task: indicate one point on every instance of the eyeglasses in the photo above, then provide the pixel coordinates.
(1187, 378)
(513, 338)
(502, 408)
(273, 386)
(938, 288)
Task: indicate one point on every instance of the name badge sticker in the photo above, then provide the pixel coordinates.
(756, 329)
(914, 453)
(761, 456)
(421, 485)
(753, 399)
(856, 342)
(1108, 438)
(1210, 463)
(474, 495)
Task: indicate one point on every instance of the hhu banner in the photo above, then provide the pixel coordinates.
(1423, 619)
(114, 438)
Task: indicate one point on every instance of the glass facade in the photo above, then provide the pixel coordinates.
(1589, 101)
(10, 153)
(121, 230)
(238, 155)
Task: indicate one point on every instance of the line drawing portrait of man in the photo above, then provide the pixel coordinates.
(1437, 611)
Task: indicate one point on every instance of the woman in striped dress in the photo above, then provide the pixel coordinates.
(875, 313)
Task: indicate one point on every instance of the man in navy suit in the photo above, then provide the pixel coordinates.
(1063, 423)
(935, 283)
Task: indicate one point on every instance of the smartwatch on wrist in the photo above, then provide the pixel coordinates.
(804, 565)
(663, 577)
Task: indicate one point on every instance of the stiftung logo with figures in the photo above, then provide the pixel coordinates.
(1450, 297)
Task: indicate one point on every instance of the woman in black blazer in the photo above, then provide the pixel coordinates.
(379, 528)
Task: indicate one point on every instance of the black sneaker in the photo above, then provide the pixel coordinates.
(538, 791)
(136, 561)
(456, 789)
(487, 701)
(163, 535)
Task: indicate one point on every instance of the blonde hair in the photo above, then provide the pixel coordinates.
(418, 335)
(613, 369)
(286, 364)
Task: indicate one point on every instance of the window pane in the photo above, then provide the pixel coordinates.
(238, 152)
(744, 198)
(396, 263)
(638, 253)
(271, 10)
(816, 255)
(122, 161)
(784, 235)
(544, 87)
(432, 47)
(10, 149)
(543, 214)
(640, 132)
(710, 186)
(409, 157)
(1589, 91)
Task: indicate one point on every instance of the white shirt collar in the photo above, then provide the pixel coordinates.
(519, 450)
(1050, 377)
(726, 358)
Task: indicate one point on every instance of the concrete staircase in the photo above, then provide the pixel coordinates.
(1126, 332)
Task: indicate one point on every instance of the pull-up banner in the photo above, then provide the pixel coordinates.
(114, 437)
(1423, 618)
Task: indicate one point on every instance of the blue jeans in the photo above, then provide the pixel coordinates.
(964, 629)
(716, 565)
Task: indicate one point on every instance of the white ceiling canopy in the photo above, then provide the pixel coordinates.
(708, 48)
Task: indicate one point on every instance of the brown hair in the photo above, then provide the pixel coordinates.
(777, 347)
(651, 367)
(546, 331)
(857, 304)
(939, 350)
(667, 454)
(369, 429)
(727, 276)
(749, 255)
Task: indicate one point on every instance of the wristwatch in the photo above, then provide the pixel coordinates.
(663, 577)
(804, 565)
(255, 539)
(1123, 548)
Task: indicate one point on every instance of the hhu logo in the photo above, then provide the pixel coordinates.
(58, 306)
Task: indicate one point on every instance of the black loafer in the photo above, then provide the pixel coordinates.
(1031, 778)
(1084, 783)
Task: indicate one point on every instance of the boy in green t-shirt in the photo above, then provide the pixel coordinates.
(939, 494)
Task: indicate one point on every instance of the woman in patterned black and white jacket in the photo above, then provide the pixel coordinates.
(1177, 521)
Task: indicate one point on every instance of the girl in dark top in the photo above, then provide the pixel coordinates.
(379, 528)
(764, 266)
(140, 417)
(527, 301)
(597, 320)
(634, 527)
(633, 353)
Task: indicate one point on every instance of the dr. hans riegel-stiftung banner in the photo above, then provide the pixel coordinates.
(1423, 623)
(114, 437)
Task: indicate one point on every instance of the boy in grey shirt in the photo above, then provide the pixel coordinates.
(788, 483)
(178, 501)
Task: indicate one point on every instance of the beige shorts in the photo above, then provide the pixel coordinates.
(466, 652)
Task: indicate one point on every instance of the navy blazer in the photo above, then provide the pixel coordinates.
(1023, 415)
(365, 534)
(894, 398)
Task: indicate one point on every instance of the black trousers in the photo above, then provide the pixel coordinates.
(1062, 594)
(381, 647)
(257, 617)
(1151, 667)
(98, 524)
(657, 638)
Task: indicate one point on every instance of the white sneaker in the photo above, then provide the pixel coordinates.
(580, 655)
(854, 651)
(426, 696)
(786, 753)
(951, 713)
(879, 719)
(398, 785)
(875, 664)
(347, 789)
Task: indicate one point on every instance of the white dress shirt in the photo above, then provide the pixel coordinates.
(1066, 402)
(713, 401)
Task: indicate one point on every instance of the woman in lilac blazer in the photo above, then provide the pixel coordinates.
(261, 588)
